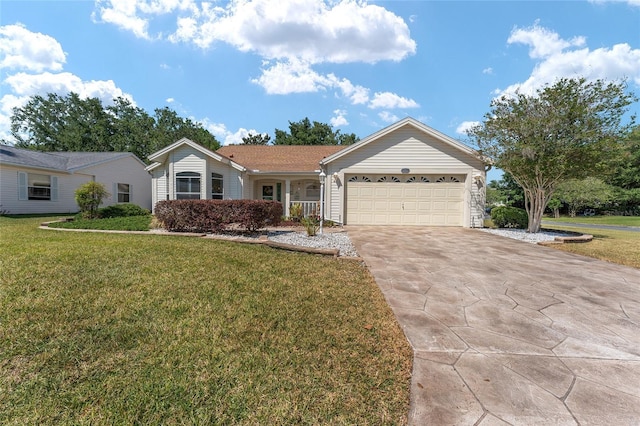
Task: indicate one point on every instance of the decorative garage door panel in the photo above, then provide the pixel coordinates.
(373, 200)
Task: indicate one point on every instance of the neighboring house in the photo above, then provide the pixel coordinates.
(45, 182)
(404, 174)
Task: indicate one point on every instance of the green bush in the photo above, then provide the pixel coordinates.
(89, 196)
(509, 217)
(122, 210)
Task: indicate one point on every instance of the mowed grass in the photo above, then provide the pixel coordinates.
(599, 220)
(128, 223)
(122, 329)
(622, 247)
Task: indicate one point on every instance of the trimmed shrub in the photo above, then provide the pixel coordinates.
(122, 210)
(217, 215)
(89, 196)
(509, 217)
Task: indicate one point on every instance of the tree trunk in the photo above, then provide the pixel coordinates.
(556, 213)
(536, 201)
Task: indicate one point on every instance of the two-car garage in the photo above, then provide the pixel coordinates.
(435, 200)
(405, 174)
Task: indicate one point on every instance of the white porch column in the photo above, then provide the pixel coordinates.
(287, 197)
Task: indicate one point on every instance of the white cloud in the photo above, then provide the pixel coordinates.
(134, 15)
(311, 30)
(283, 78)
(391, 100)
(32, 56)
(466, 125)
(314, 31)
(23, 84)
(356, 94)
(339, 118)
(170, 100)
(388, 117)
(29, 51)
(558, 58)
(224, 135)
(542, 41)
(294, 76)
(634, 3)
(292, 37)
(488, 70)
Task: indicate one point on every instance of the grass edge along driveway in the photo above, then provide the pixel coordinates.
(621, 247)
(120, 329)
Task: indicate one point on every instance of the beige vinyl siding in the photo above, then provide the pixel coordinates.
(407, 148)
(159, 186)
(187, 159)
(231, 182)
(412, 149)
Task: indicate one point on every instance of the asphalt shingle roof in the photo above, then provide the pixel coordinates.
(62, 161)
(279, 158)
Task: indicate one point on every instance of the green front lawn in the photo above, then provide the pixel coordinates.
(127, 223)
(121, 329)
(599, 220)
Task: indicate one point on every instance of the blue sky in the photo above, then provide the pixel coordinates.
(253, 66)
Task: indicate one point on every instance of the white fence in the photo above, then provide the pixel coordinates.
(309, 208)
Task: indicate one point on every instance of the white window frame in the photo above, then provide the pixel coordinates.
(118, 190)
(190, 178)
(218, 178)
(27, 186)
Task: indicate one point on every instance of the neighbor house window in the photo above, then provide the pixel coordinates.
(188, 186)
(39, 187)
(124, 192)
(216, 186)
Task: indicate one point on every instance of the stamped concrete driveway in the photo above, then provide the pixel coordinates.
(507, 332)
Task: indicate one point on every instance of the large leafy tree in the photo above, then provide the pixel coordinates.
(505, 191)
(625, 169)
(567, 130)
(304, 132)
(70, 123)
(579, 194)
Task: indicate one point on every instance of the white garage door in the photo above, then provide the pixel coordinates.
(405, 200)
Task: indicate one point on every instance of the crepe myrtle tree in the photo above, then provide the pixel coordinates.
(567, 130)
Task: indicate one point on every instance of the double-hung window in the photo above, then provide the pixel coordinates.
(124, 192)
(217, 191)
(37, 187)
(188, 186)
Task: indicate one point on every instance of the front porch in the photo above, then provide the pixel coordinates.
(302, 191)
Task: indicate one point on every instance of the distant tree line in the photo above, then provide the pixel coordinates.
(304, 132)
(70, 123)
(616, 189)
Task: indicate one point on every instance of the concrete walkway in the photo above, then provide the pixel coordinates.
(507, 332)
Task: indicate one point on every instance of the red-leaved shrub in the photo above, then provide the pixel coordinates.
(217, 215)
